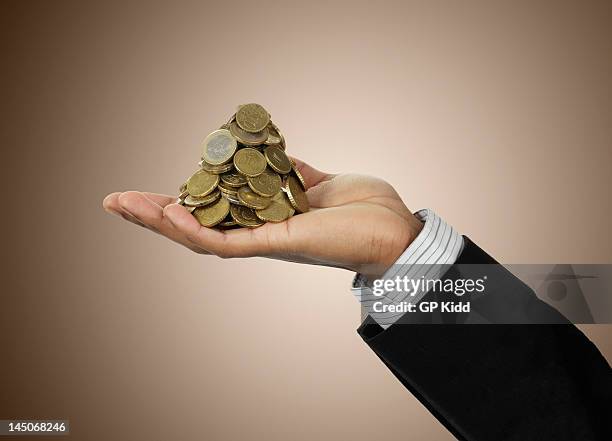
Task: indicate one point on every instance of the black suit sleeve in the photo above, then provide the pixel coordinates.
(501, 382)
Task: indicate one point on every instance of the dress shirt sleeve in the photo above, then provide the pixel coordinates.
(436, 247)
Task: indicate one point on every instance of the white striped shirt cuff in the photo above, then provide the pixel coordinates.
(437, 246)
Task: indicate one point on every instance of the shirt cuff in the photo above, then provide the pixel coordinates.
(436, 247)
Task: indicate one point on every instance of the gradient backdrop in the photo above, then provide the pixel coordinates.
(498, 115)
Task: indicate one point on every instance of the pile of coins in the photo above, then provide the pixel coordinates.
(245, 178)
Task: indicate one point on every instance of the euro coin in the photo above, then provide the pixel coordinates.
(245, 216)
(278, 211)
(234, 179)
(296, 194)
(252, 117)
(227, 190)
(216, 169)
(266, 184)
(202, 183)
(232, 198)
(250, 199)
(200, 202)
(273, 128)
(297, 173)
(273, 136)
(282, 197)
(248, 138)
(277, 159)
(212, 214)
(245, 178)
(249, 162)
(219, 147)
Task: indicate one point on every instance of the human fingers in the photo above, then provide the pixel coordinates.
(111, 205)
(160, 199)
(311, 175)
(150, 215)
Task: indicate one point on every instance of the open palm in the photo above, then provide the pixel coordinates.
(355, 221)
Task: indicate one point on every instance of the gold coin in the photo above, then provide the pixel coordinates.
(282, 198)
(273, 136)
(233, 199)
(248, 138)
(234, 179)
(227, 190)
(183, 188)
(266, 184)
(249, 162)
(252, 118)
(219, 147)
(277, 211)
(245, 216)
(202, 183)
(273, 128)
(297, 173)
(296, 194)
(184, 193)
(212, 214)
(216, 169)
(249, 198)
(200, 202)
(277, 159)
(189, 209)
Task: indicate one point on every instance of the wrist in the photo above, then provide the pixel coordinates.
(392, 249)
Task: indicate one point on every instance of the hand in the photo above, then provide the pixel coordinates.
(355, 222)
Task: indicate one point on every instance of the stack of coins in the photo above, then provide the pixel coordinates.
(245, 178)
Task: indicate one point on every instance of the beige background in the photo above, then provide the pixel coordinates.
(495, 114)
